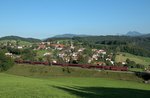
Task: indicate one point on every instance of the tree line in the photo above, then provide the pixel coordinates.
(134, 45)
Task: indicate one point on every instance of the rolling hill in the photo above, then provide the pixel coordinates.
(133, 33)
(135, 45)
(69, 36)
(121, 57)
(32, 40)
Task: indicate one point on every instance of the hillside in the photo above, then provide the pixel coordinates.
(138, 59)
(20, 38)
(146, 35)
(65, 36)
(134, 45)
(55, 71)
(68, 36)
(133, 33)
(20, 42)
(45, 85)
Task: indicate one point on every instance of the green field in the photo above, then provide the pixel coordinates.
(70, 87)
(138, 59)
(41, 82)
(14, 42)
(40, 71)
(40, 53)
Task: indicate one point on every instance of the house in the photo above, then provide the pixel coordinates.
(9, 54)
(54, 61)
(81, 49)
(41, 46)
(61, 55)
(74, 56)
(101, 51)
(95, 57)
(124, 63)
(58, 46)
(46, 54)
(112, 62)
(108, 59)
(19, 47)
(90, 60)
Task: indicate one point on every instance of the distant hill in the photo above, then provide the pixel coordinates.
(20, 38)
(68, 36)
(137, 45)
(64, 37)
(146, 35)
(133, 33)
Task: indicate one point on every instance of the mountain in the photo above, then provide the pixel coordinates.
(68, 36)
(146, 35)
(133, 33)
(20, 38)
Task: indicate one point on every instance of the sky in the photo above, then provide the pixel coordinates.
(46, 18)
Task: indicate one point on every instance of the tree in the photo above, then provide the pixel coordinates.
(17, 42)
(130, 63)
(49, 58)
(108, 63)
(119, 64)
(88, 52)
(83, 59)
(139, 66)
(5, 62)
(40, 59)
(118, 49)
(29, 54)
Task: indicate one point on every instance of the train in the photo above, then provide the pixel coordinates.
(89, 66)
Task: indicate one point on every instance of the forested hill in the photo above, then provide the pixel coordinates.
(70, 35)
(136, 45)
(146, 35)
(20, 38)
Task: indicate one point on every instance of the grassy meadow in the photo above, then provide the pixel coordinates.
(20, 42)
(41, 82)
(13, 86)
(138, 59)
(40, 71)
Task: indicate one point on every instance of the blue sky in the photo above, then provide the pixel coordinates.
(46, 18)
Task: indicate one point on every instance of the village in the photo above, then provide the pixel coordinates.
(61, 52)
(66, 51)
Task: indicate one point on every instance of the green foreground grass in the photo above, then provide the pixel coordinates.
(70, 87)
(40, 71)
(138, 59)
(66, 85)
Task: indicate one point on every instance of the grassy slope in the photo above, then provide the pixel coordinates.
(55, 71)
(52, 82)
(138, 59)
(70, 87)
(25, 43)
(20, 42)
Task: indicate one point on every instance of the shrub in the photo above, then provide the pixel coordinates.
(5, 62)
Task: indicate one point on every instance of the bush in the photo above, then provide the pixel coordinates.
(5, 62)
